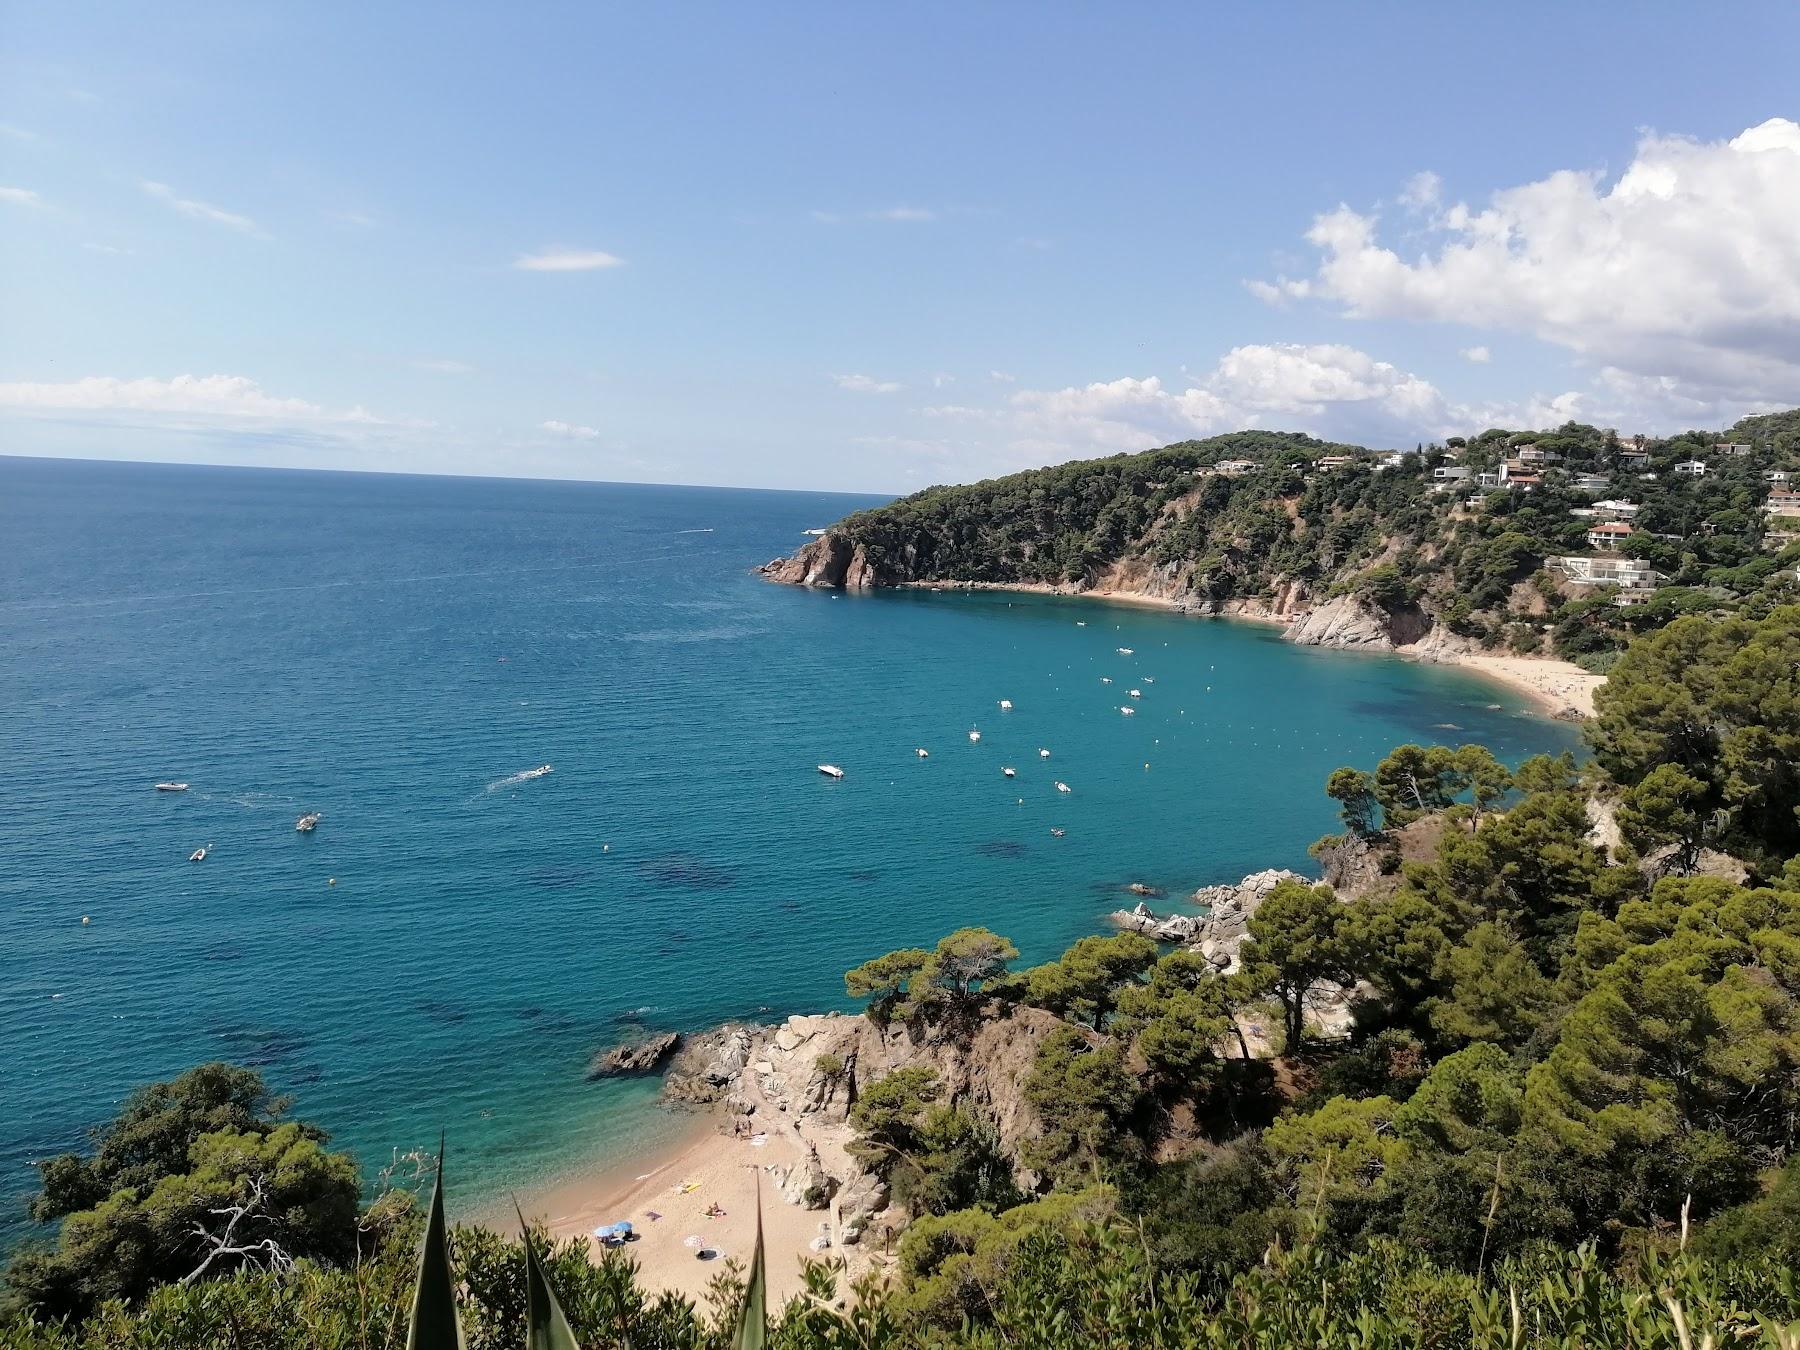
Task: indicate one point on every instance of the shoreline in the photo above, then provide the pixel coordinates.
(1558, 689)
(698, 1167)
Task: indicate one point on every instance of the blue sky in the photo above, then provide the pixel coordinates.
(861, 247)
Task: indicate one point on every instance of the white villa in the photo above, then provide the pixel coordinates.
(1609, 569)
(1608, 535)
(1616, 508)
(1691, 468)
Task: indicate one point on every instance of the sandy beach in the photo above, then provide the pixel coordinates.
(666, 1197)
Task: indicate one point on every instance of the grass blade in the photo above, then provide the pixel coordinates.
(753, 1318)
(434, 1324)
(546, 1327)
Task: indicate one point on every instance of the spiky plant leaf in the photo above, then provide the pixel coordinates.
(546, 1328)
(753, 1318)
(434, 1324)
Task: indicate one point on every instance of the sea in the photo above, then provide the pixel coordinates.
(564, 746)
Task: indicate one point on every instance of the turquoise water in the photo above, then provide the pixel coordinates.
(391, 651)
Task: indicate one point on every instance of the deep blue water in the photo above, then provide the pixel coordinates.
(389, 651)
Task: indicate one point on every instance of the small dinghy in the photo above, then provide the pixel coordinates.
(1135, 693)
(171, 787)
(307, 822)
(198, 855)
(1006, 705)
(1043, 754)
(922, 753)
(1124, 651)
(1106, 679)
(974, 736)
(1009, 773)
(1128, 711)
(831, 771)
(1062, 787)
(1055, 832)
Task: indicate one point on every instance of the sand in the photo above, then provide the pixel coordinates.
(1559, 688)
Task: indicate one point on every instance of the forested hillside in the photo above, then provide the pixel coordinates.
(1467, 535)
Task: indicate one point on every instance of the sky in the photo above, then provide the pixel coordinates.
(875, 247)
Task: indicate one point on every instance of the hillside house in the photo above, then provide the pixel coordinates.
(1609, 535)
(1591, 482)
(1448, 476)
(1616, 508)
(1530, 454)
(1608, 569)
(1782, 502)
(1634, 459)
(1234, 468)
(1330, 462)
(1691, 468)
(1733, 449)
(1777, 476)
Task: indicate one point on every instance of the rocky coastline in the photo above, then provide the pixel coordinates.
(1344, 622)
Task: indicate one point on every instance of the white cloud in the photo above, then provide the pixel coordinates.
(866, 384)
(1422, 190)
(573, 432)
(893, 215)
(566, 260)
(1002, 377)
(195, 210)
(1479, 355)
(108, 248)
(14, 196)
(362, 220)
(444, 367)
(204, 395)
(1685, 269)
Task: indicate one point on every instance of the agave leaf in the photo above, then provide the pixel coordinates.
(434, 1325)
(546, 1328)
(753, 1318)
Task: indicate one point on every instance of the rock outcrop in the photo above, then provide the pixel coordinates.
(1220, 930)
(633, 1057)
(709, 1064)
(830, 562)
(1343, 621)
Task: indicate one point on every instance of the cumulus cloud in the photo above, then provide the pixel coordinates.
(196, 210)
(16, 196)
(1422, 190)
(566, 260)
(1479, 355)
(570, 430)
(866, 384)
(234, 396)
(1686, 268)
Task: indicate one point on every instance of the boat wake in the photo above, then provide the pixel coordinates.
(513, 780)
(704, 530)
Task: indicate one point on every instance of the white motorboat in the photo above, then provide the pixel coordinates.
(1124, 651)
(1010, 773)
(1128, 711)
(831, 771)
(1043, 754)
(306, 822)
(1062, 787)
(171, 787)
(922, 753)
(1135, 693)
(1006, 705)
(1081, 623)
(538, 772)
(974, 736)
(814, 533)
(1106, 679)
(198, 855)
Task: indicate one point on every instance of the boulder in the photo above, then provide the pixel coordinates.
(1343, 621)
(644, 1056)
(707, 1066)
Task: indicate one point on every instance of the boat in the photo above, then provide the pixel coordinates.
(1106, 679)
(1081, 623)
(198, 855)
(1128, 711)
(831, 771)
(1006, 705)
(1124, 651)
(538, 772)
(1055, 832)
(306, 822)
(974, 735)
(1043, 754)
(1061, 786)
(171, 787)
(1135, 693)
(1010, 773)
(814, 533)
(922, 753)
(1149, 679)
